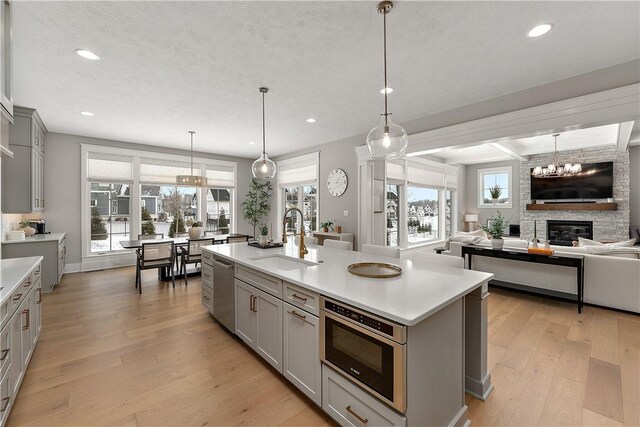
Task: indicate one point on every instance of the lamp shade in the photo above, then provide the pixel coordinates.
(471, 218)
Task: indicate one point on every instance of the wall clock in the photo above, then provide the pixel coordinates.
(337, 182)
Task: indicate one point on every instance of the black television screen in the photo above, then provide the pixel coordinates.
(594, 182)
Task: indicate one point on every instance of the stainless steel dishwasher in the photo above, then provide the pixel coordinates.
(224, 300)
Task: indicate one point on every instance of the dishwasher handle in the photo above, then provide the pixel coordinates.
(218, 264)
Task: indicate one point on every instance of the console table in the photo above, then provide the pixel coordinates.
(566, 260)
(322, 236)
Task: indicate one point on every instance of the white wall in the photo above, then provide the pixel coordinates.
(634, 185)
(63, 185)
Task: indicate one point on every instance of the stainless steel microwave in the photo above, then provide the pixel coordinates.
(367, 348)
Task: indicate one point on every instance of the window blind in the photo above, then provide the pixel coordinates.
(301, 170)
(220, 177)
(425, 175)
(104, 167)
(158, 172)
(395, 171)
(451, 180)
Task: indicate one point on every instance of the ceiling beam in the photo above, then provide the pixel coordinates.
(624, 136)
(509, 151)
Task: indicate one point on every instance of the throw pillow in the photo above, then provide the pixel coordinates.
(588, 242)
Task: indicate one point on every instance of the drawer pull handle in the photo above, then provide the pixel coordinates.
(39, 295)
(299, 316)
(5, 403)
(358, 417)
(298, 297)
(28, 319)
(27, 284)
(205, 297)
(4, 353)
(252, 303)
(17, 297)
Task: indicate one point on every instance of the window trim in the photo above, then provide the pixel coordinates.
(480, 187)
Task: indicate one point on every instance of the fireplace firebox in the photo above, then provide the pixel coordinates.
(564, 233)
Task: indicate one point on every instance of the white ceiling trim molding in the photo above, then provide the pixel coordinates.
(597, 109)
(508, 151)
(624, 136)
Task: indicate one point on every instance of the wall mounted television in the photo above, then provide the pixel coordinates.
(594, 182)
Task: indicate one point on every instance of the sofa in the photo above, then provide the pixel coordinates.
(609, 280)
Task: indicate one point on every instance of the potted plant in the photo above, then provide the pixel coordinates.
(495, 229)
(326, 225)
(257, 203)
(28, 229)
(195, 232)
(495, 193)
(264, 232)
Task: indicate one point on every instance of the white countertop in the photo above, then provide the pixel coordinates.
(420, 291)
(12, 272)
(37, 238)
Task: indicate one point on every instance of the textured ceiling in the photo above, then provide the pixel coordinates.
(168, 67)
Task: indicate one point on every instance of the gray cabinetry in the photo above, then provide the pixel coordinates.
(23, 175)
(6, 58)
(53, 251)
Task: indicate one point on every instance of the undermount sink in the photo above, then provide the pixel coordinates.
(283, 262)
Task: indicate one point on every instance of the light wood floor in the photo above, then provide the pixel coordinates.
(108, 356)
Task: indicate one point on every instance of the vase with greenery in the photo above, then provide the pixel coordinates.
(256, 203)
(195, 232)
(98, 229)
(495, 193)
(147, 222)
(28, 229)
(497, 225)
(326, 225)
(264, 233)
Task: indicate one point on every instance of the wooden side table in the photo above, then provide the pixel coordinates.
(321, 236)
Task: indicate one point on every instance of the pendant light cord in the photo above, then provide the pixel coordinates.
(384, 24)
(191, 132)
(263, 129)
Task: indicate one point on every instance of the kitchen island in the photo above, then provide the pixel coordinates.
(428, 327)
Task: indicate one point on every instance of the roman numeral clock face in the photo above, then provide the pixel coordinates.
(337, 182)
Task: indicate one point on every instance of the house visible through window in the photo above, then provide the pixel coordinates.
(494, 188)
(393, 215)
(218, 210)
(303, 197)
(110, 216)
(298, 186)
(422, 214)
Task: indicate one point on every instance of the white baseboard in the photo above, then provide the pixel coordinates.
(101, 262)
(72, 268)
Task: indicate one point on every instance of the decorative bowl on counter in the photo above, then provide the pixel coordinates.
(375, 270)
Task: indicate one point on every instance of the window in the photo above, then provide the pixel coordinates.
(393, 215)
(297, 186)
(110, 208)
(422, 214)
(218, 218)
(449, 199)
(172, 209)
(497, 180)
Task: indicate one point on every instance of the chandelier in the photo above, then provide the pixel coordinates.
(554, 170)
(191, 180)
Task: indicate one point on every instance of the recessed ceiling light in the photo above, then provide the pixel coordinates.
(539, 30)
(87, 113)
(87, 54)
(310, 120)
(252, 143)
(386, 90)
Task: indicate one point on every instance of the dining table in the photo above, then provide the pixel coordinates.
(163, 273)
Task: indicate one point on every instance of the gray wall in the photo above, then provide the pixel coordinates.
(63, 184)
(471, 193)
(634, 185)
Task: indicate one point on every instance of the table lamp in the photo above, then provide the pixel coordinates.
(470, 219)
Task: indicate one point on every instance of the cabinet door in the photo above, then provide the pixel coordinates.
(269, 328)
(61, 261)
(35, 167)
(36, 313)
(245, 312)
(301, 362)
(5, 397)
(26, 314)
(15, 370)
(41, 178)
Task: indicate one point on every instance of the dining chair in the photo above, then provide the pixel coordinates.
(237, 239)
(192, 254)
(381, 250)
(444, 260)
(181, 235)
(154, 255)
(308, 240)
(340, 244)
(151, 236)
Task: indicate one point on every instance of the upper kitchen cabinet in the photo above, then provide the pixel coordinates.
(23, 175)
(6, 59)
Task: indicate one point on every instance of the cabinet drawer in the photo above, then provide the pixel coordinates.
(207, 275)
(37, 272)
(207, 298)
(4, 312)
(19, 295)
(5, 348)
(269, 284)
(302, 298)
(351, 406)
(5, 397)
(207, 257)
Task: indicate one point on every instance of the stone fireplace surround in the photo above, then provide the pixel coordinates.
(607, 225)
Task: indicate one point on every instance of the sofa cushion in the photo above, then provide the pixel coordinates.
(588, 242)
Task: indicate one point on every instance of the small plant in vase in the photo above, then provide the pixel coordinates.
(326, 225)
(495, 193)
(496, 229)
(27, 228)
(195, 232)
(264, 233)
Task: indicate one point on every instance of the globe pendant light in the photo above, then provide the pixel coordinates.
(264, 167)
(191, 180)
(387, 140)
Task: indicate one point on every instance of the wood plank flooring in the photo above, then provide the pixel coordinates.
(108, 356)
